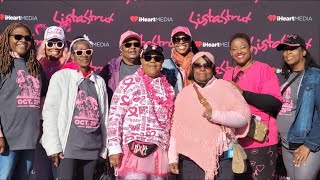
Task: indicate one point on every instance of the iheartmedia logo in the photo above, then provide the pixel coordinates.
(273, 18)
(101, 44)
(210, 44)
(19, 18)
(151, 19)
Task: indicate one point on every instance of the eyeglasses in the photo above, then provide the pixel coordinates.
(87, 52)
(128, 45)
(200, 66)
(178, 39)
(58, 44)
(157, 58)
(18, 37)
(238, 76)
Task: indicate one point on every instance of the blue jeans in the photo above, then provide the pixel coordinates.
(16, 164)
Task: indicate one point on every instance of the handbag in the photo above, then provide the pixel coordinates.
(239, 158)
(142, 149)
(258, 130)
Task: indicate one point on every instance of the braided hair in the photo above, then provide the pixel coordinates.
(6, 63)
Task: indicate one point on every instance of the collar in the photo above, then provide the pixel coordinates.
(88, 74)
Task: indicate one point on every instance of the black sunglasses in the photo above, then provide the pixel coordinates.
(178, 39)
(157, 58)
(128, 45)
(58, 44)
(18, 37)
(238, 76)
(199, 66)
(88, 52)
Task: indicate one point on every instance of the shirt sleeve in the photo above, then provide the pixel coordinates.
(238, 116)
(172, 152)
(313, 140)
(104, 124)
(50, 138)
(118, 109)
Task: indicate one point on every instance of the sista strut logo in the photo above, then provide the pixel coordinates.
(66, 20)
(223, 18)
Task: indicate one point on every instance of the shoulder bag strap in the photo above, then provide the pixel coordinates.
(292, 80)
(206, 105)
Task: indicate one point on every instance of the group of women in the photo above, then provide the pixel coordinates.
(163, 116)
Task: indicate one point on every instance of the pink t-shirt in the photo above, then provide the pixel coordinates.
(259, 78)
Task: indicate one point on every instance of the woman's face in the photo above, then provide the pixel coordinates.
(294, 56)
(181, 43)
(152, 64)
(202, 71)
(20, 41)
(54, 49)
(130, 50)
(240, 51)
(82, 54)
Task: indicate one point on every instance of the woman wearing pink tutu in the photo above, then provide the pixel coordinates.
(140, 120)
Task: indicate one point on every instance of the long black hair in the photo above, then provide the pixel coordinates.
(33, 65)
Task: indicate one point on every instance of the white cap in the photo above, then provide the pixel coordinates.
(54, 32)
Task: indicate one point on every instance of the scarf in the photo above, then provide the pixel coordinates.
(183, 62)
(195, 136)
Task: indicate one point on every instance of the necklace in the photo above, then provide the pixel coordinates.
(167, 105)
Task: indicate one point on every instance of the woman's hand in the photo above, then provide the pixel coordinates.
(174, 168)
(2, 145)
(115, 160)
(300, 155)
(56, 158)
(207, 114)
(236, 85)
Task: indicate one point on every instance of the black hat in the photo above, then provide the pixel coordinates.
(292, 40)
(152, 48)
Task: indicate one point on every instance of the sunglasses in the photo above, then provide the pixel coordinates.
(87, 52)
(200, 66)
(157, 58)
(238, 76)
(128, 45)
(178, 39)
(58, 44)
(18, 37)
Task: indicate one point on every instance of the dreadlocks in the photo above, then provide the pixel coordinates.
(33, 66)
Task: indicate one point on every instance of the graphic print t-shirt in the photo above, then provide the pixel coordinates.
(19, 107)
(85, 140)
(287, 114)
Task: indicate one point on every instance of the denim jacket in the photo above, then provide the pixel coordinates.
(306, 126)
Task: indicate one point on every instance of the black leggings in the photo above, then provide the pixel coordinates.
(190, 170)
(261, 163)
(76, 169)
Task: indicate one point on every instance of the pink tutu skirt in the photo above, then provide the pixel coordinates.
(156, 163)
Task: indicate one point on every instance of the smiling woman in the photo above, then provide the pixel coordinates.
(206, 112)
(298, 119)
(259, 86)
(74, 135)
(140, 120)
(22, 84)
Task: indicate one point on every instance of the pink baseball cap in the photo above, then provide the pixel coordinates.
(54, 32)
(181, 29)
(202, 53)
(128, 34)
